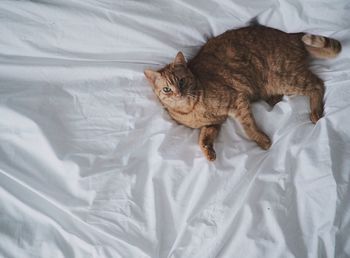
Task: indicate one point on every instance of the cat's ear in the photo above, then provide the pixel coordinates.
(180, 59)
(151, 75)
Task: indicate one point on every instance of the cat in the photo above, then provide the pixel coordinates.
(236, 68)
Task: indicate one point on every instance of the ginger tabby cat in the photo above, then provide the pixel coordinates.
(234, 69)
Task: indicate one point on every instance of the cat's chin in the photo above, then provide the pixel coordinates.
(175, 103)
(182, 104)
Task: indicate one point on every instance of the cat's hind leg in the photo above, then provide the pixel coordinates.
(307, 84)
(241, 111)
(207, 136)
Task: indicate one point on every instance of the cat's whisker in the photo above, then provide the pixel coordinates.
(192, 95)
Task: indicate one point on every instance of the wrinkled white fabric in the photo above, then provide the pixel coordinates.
(92, 166)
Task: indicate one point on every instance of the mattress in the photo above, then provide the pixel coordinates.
(92, 166)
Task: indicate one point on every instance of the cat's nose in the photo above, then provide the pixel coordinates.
(177, 92)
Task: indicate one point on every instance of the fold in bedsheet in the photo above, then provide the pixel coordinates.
(92, 166)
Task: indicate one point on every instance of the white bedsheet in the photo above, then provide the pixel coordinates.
(91, 166)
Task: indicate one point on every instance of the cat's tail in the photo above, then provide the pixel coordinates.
(321, 47)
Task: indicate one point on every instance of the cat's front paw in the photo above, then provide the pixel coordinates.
(263, 141)
(209, 152)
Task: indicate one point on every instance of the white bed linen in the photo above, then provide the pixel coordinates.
(91, 166)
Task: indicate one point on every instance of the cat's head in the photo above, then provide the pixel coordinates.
(174, 84)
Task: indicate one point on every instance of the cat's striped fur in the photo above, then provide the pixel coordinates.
(234, 69)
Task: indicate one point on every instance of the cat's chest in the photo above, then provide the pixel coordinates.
(201, 115)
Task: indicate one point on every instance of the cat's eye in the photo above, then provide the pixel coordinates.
(166, 90)
(181, 83)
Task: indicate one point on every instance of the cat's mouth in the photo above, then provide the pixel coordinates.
(191, 92)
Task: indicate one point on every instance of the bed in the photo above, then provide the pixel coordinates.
(92, 166)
